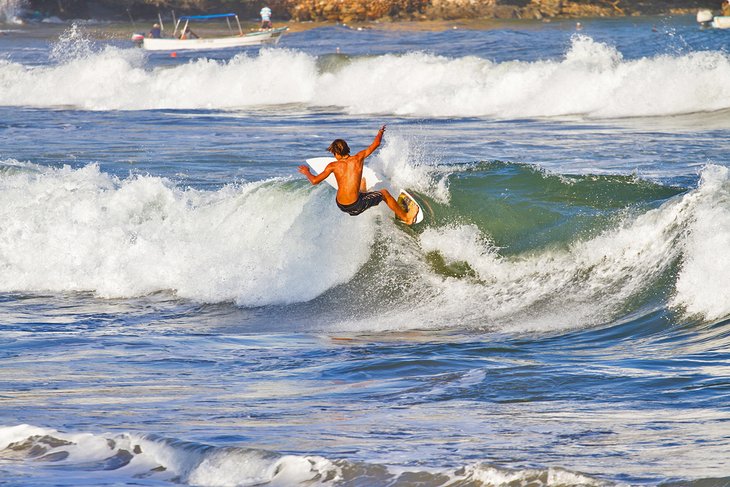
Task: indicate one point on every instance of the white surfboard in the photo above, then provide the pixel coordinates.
(371, 179)
(319, 163)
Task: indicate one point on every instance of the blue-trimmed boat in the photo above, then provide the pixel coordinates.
(182, 40)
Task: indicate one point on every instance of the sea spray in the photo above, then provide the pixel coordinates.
(407, 163)
(73, 44)
(10, 11)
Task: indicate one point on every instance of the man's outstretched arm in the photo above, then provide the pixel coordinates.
(304, 169)
(375, 144)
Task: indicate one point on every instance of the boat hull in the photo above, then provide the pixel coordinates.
(252, 39)
(721, 22)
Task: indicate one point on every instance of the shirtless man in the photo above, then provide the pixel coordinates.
(352, 196)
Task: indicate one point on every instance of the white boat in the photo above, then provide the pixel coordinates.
(706, 18)
(179, 42)
(721, 22)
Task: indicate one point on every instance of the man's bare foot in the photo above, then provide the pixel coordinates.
(412, 214)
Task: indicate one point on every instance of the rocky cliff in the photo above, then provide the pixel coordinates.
(367, 10)
(350, 10)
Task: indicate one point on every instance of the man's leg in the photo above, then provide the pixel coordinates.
(392, 203)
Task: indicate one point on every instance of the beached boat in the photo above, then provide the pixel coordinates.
(181, 37)
(706, 18)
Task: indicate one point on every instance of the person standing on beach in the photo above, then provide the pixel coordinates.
(725, 8)
(265, 18)
(352, 196)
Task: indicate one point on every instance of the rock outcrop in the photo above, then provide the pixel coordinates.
(349, 10)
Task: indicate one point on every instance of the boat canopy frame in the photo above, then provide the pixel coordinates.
(188, 18)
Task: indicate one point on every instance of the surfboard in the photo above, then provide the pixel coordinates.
(407, 201)
(319, 163)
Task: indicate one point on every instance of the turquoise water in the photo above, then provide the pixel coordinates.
(178, 306)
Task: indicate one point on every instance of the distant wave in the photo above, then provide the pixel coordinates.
(592, 80)
(265, 243)
(122, 457)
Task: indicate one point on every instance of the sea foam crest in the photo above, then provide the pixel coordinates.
(83, 230)
(593, 80)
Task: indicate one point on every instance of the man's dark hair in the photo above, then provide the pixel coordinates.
(339, 147)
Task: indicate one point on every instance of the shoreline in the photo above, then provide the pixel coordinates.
(120, 30)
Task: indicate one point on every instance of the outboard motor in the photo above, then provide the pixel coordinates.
(138, 38)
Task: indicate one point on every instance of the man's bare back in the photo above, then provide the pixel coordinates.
(352, 197)
(348, 173)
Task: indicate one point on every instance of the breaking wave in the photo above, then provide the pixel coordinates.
(591, 80)
(477, 261)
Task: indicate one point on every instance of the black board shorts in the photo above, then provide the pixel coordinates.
(364, 201)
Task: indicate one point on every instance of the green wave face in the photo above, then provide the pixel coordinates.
(523, 208)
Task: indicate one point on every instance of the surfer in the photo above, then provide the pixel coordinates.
(352, 196)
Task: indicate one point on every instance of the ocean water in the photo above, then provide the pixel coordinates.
(178, 306)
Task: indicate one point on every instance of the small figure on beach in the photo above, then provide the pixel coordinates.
(155, 32)
(352, 195)
(266, 18)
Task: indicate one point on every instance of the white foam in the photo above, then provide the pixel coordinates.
(593, 79)
(161, 459)
(14, 434)
(493, 476)
(235, 467)
(584, 284)
(255, 244)
(193, 464)
(703, 286)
